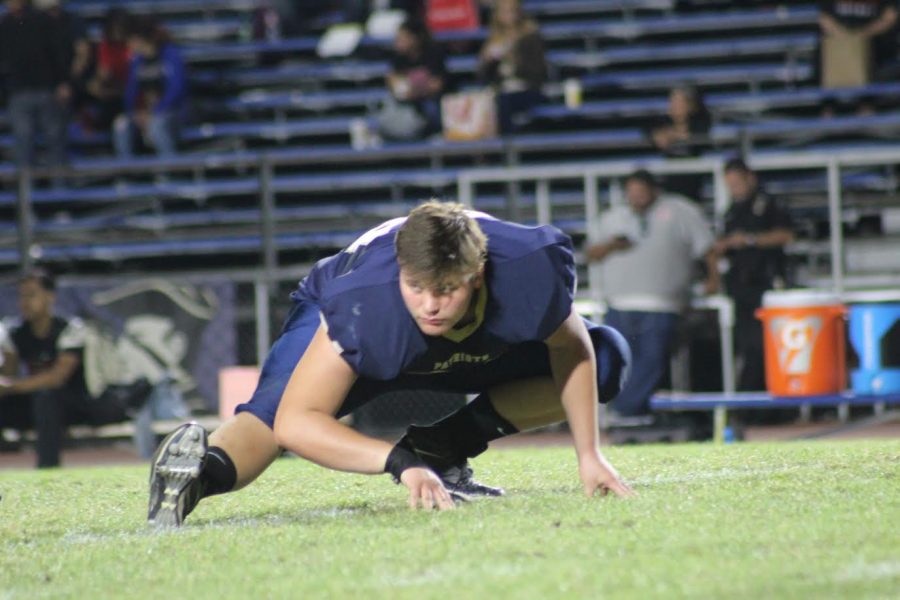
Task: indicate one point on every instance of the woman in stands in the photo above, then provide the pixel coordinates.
(417, 80)
(512, 61)
(686, 120)
(156, 91)
(680, 134)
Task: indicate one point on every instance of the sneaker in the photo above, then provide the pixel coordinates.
(458, 481)
(175, 484)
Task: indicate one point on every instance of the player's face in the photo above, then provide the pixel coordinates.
(438, 307)
(34, 301)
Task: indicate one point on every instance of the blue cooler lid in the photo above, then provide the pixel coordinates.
(871, 296)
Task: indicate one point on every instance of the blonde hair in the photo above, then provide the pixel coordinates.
(439, 240)
(523, 26)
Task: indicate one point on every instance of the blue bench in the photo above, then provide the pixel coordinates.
(781, 128)
(361, 71)
(265, 100)
(205, 217)
(162, 248)
(720, 403)
(263, 130)
(99, 8)
(241, 186)
(210, 244)
(802, 16)
(297, 155)
(628, 29)
(720, 102)
(758, 400)
(193, 30)
(573, 7)
(703, 76)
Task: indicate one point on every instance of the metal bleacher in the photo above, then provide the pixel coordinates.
(267, 173)
(754, 64)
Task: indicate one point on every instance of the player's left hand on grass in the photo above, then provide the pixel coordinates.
(598, 475)
(426, 490)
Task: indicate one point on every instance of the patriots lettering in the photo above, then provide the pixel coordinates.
(461, 357)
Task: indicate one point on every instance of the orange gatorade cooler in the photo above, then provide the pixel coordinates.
(804, 338)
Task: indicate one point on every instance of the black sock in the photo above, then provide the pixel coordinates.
(464, 434)
(219, 474)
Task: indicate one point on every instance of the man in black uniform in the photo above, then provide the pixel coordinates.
(52, 393)
(756, 231)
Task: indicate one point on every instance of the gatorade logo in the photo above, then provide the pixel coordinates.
(796, 339)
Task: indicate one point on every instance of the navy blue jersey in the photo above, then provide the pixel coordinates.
(528, 293)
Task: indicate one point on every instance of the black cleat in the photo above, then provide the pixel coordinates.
(175, 484)
(455, 474)
(458, 481)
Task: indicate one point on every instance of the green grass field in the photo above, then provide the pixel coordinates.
(796, 520)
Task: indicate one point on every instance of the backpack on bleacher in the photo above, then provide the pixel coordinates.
(400, 120)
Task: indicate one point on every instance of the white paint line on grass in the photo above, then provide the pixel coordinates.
(863, 571)
(80, 538)
(494, 569)
(716, 475)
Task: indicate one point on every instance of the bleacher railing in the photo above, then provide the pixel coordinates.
(592, 175)
(611, 173)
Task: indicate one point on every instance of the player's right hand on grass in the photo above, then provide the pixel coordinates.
(426, 490)
(597, 475)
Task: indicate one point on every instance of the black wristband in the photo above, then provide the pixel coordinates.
(401, 459)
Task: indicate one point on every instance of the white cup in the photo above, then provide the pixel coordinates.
(359, 134)
(572, 93)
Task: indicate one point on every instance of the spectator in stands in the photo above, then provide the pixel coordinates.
(687, 118)
(106, 87)
(52, 394)
(78, 53)
(647, 251)
(417, 80)
(756, 232)
(512, 60)
(156, 91)
(33, 64)
(680, 134)
(875, 21)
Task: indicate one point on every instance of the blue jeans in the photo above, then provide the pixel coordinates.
(49, 412)
(650, 335)
(32, 112)
(161, 134)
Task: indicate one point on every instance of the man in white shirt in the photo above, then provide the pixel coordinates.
(647, 251)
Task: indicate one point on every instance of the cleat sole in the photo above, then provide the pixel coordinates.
(178, 464)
